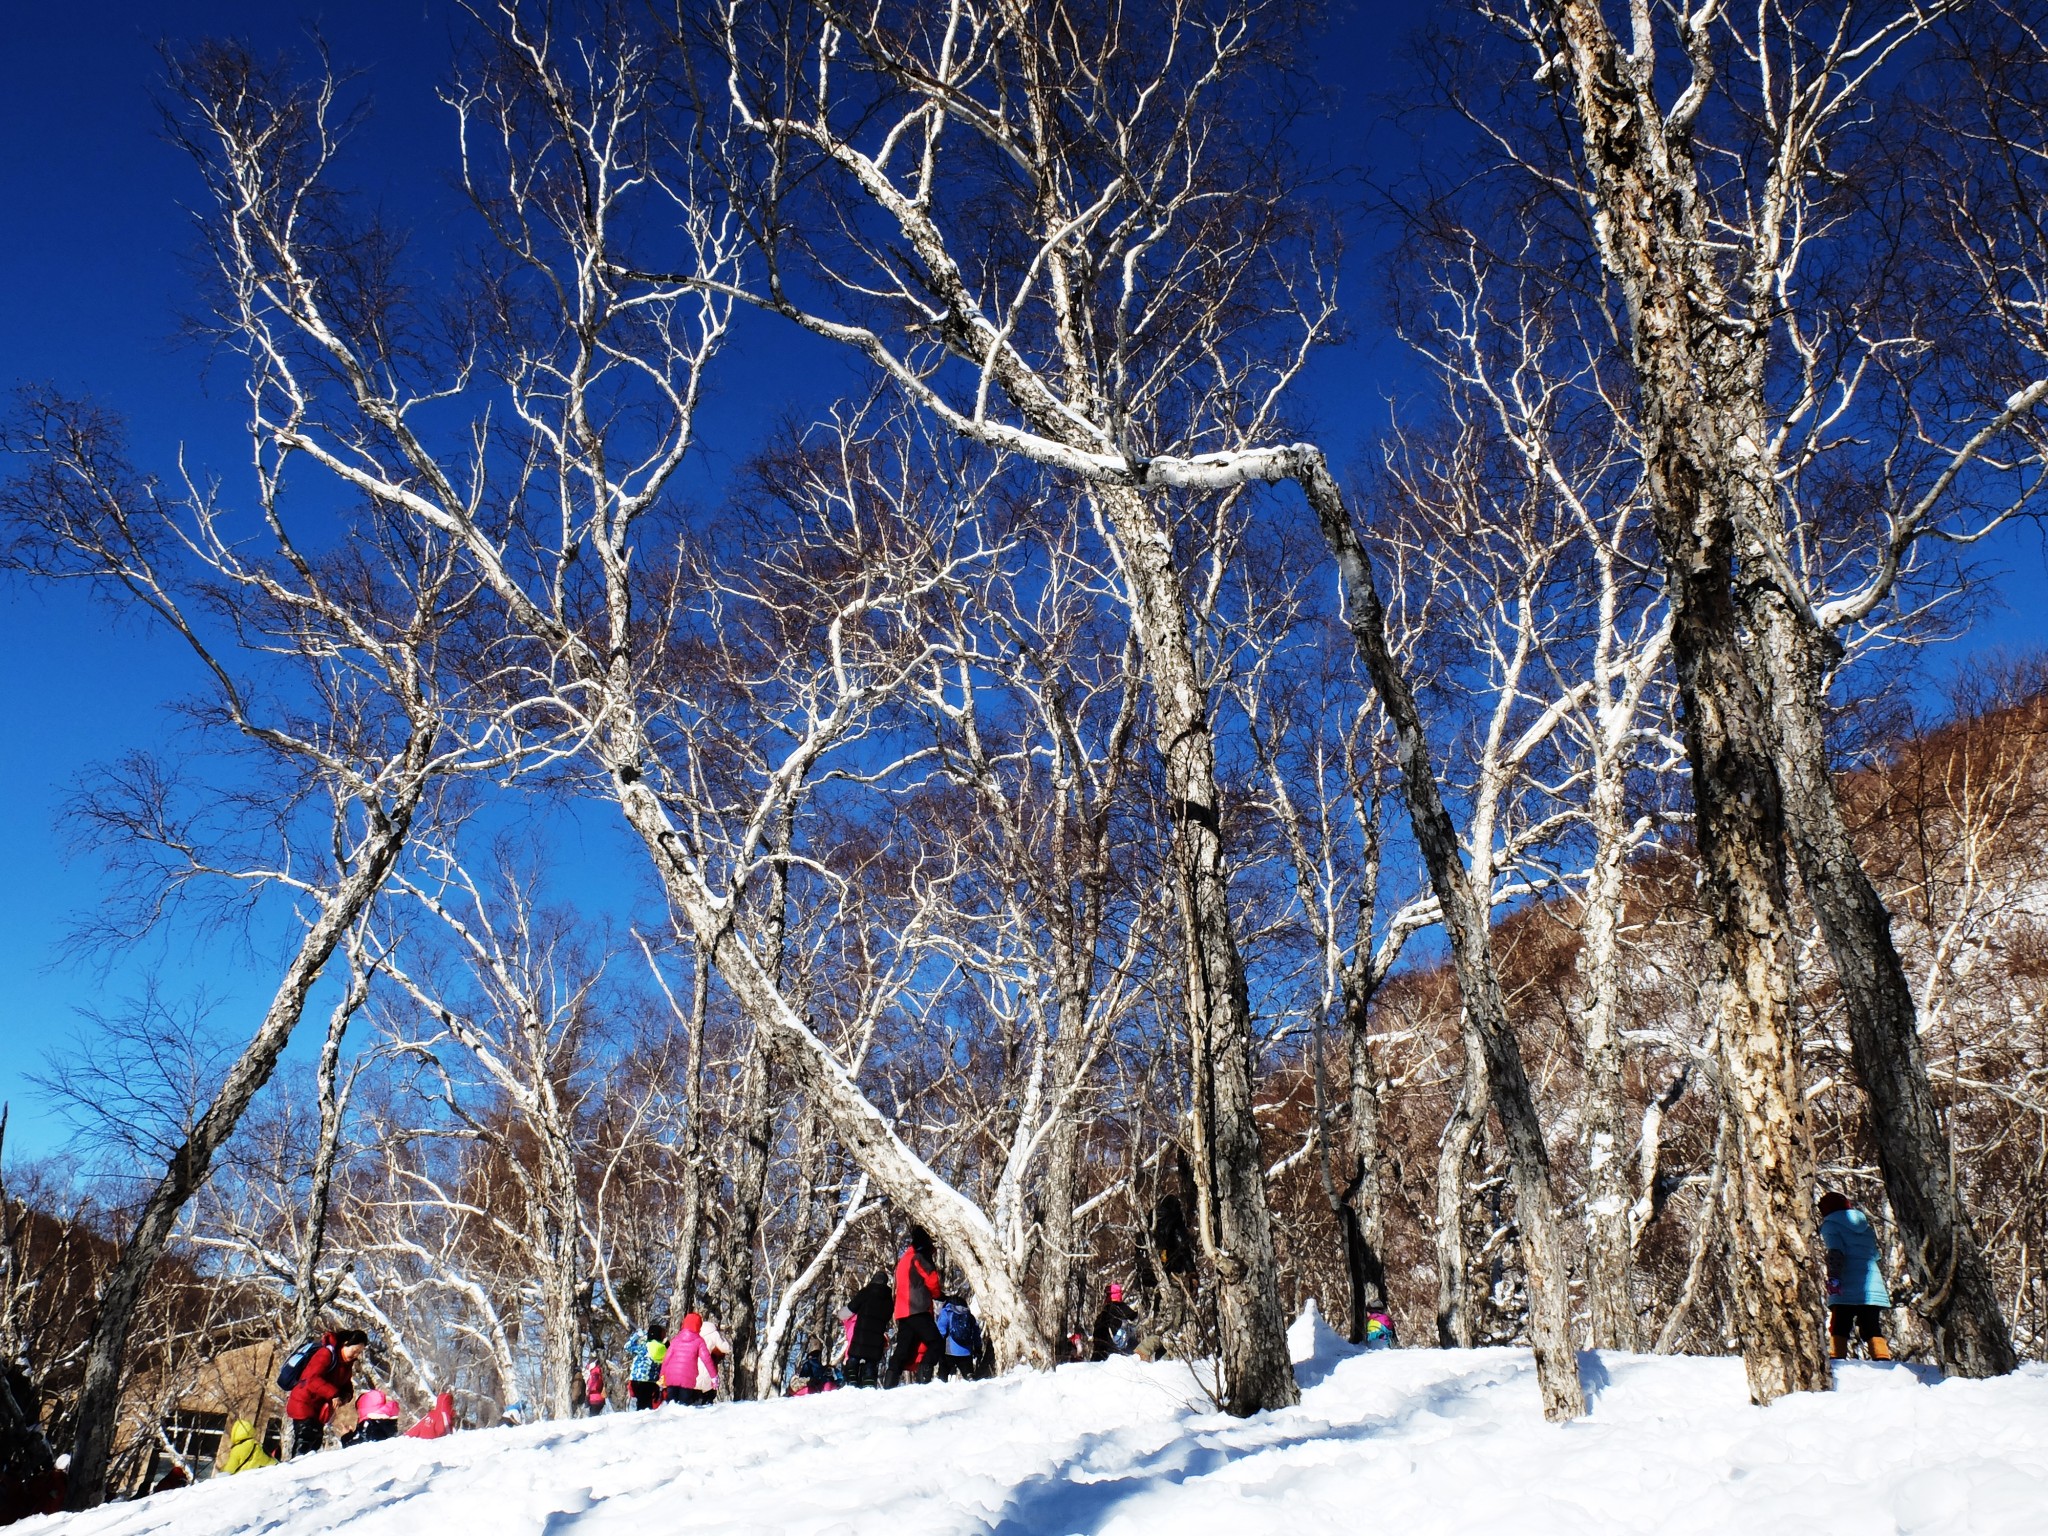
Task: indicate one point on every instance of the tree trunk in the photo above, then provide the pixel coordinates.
(1651, 243)
(1364, 1206)
(813, 1070)
(1610, 1248)
(1055, 1262)
(561, 1323)
(737, 1304)
(1948, 1263)
(1466, 916)
(1454, 1319)
(309, 1296)
(1237, 1224)
(99, 1397)
(690, 1229)
(1739, 830)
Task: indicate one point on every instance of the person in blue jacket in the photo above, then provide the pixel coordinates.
(1857, 1297)
(962, 1333)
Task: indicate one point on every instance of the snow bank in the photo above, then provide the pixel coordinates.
(1407, 1441)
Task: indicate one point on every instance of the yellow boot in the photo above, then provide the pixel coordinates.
(1879, 1350)
(1838, 1349)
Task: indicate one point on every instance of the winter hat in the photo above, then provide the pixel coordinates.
(1116, 1293)
(376, 1405)
(694, 1323)
(1832, 1202)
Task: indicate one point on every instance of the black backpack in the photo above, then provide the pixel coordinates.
(294, 1365)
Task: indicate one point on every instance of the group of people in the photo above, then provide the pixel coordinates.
(680, 1368)
(936, 1336)
(319, 1377)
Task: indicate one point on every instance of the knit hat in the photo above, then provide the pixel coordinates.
(376, 1405)
(1116, 1293)
(1832, 1202)
(694, 1323)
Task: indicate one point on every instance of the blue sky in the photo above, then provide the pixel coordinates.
(92, 280)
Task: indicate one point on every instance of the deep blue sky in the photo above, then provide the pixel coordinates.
(91, 284)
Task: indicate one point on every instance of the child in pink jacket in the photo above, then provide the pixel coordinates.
(689, 1372)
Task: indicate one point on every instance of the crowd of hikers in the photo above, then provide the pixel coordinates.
(935, 1337)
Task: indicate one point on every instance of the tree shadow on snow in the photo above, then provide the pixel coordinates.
(1071, 1501)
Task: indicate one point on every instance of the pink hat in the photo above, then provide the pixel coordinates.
(1116, 1293)
(376, 1405)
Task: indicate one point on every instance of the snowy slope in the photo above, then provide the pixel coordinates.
(1412, 1441)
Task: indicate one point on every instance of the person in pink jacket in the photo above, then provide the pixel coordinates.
(689, 1372)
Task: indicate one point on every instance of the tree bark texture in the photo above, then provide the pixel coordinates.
(1610, 1245)
(1648, 242)
(1948, 1264)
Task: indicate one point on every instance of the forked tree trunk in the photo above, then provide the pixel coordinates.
(1948, 1264)
(1466, 917)
(814, 1071)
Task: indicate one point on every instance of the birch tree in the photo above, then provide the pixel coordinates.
(1745, 380)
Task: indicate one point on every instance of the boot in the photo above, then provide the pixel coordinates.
(1879, 1350)
(1838, 1349)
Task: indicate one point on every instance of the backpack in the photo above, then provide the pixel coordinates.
(961, 1327)
(294, 1365)
(1123, 1338)
(920, 1293)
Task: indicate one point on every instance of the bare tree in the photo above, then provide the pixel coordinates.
(1748, 380)
(325, 666)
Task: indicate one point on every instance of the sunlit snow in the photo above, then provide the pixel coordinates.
(1409, 1441)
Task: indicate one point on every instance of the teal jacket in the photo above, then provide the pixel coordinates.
(1858, 1276)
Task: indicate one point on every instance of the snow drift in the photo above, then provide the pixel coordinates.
(1407, 1441)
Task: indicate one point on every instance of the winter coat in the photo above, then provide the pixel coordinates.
(1856, 1278)
(917, 1283)
(872, 1307)
(438, 1422)
(959, 1329)
(593, 1385)
(639, 1359)
(690, 1363)
(245, 1452)
(657, 1351)
(327, 1379)
(1114, 1315)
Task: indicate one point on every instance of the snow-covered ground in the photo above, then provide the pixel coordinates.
(1412, 1441)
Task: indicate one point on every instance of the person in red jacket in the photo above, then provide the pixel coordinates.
(327, 1378)
(917, 1284)
(437, 1423)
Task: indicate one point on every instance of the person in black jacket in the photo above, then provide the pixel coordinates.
(872, 1306)
(1115, 1326)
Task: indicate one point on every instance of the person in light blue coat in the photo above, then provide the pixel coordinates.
(1857, 1297)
